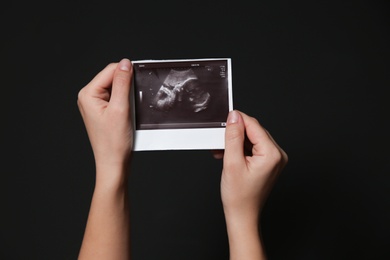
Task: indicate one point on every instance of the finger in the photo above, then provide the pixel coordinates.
(283, 153)
(247, 147)
(217, 154)
(98, 87)
(257, 135)
(104, 78)
(120, 92)
(234, 139)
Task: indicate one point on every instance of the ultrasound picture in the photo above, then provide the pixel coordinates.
(180, 97)
(181, 86)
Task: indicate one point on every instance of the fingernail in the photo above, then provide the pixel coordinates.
(232, 117)
(124, 64)
(218, 155)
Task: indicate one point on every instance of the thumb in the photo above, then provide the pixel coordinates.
(121, 83)
(234, 140)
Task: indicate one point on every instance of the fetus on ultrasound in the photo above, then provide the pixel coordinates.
(181, 87)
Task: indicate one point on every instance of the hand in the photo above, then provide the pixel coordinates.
(252, 161)
(104, 104)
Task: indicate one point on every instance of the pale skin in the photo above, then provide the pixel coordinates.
(246, 180)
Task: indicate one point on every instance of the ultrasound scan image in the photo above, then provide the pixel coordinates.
(180, 97)
(181, 86)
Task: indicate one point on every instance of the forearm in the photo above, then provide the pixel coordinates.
(244, 238)
(107, 233)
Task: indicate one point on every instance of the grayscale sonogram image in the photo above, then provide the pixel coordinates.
(190, 94)
(181, 86)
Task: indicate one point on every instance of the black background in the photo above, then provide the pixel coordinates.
(315, 74)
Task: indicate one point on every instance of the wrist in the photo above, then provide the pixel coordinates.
(112, 175)
(244, 236)
(242, 212)
(238, 221)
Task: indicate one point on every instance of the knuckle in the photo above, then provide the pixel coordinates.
(285, 157)
(80, 96)
(111, 65)
(276, 156)
(254, 120)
